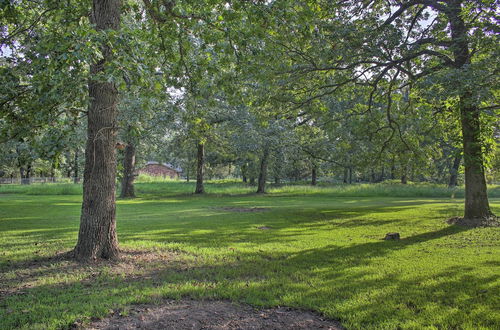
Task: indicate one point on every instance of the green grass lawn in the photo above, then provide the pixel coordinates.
(324, 252)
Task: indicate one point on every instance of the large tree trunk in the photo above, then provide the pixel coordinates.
(261, 189)
(200, 158)
(128, 172)
(476, 198)
(454, 171)
(97, 236)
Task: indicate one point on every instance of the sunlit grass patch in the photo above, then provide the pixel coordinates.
(319, 251)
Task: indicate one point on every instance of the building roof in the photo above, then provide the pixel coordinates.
(170, 166)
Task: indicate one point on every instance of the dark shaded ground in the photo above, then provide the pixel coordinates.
(191, 314)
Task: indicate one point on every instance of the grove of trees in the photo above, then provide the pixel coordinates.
(267, 91)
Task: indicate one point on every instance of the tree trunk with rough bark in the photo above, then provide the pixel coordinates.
(261, 189)
(128, 172)
(476, 197)
(244, 169)
(404, 175)
(53, 166)
(314, 175)
(25, 174)
(454, 171)
(200, 160)
(382, 174)
(97, 236)
(76, 179)
(393, 168)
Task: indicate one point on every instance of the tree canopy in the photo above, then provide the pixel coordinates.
(289, 90)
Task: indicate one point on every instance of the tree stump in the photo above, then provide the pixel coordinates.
(391, 236)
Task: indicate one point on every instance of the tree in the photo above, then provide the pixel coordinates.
(97, 236)
(451, 51)
(387, 47)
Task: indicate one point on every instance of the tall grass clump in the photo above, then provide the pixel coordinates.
(42, 189)
(178, 187)
(146, 178)
(379, 190)
(169, 187)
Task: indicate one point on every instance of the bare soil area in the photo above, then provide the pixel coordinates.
(191, 314)
(492, 221)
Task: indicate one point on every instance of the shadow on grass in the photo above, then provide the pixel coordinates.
(341, 281)
(266, 279)
(204, 227)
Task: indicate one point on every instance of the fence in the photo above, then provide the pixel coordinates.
(37, 180)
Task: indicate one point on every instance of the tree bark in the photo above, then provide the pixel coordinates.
(76, 179)
(128, 172)
(261, 189)
(244, 172)
(97, 236)
(476, 197)
(314, 176)
(53, 170)
(382, 174)
(200, 160)
(25, 174)
(393, 168)
(404, 175)
(454, 171)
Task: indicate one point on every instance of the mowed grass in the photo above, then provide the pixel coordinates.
(323, 252)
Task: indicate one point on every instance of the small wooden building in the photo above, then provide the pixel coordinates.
(163, 170)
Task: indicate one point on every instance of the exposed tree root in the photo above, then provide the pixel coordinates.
(492, 221)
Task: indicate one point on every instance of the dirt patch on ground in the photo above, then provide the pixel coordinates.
(242, 209)
(467, 222)
(18, 278)
(137, 265)
(190, 314)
